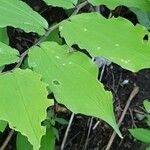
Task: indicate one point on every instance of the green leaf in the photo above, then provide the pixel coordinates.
(61, 121)
(19, 15)
(1, 68)
(116, 39)
(142, 16)
(147, 105)
(142, 4)
(54, 36)
(148, 120)
(48, 140)
(26, 97)
(148, 148)
(141, 134)
(8, 55)
(3, 36)
(72, 77)
(62, 3)
(22, 143)
(3, 125)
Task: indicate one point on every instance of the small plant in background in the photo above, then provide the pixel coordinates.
(142, 134)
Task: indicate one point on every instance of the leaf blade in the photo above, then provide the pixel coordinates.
(27, 102)
(19, 15)
(108, 38)
(67, 74)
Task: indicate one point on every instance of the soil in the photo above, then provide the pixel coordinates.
(115, 79)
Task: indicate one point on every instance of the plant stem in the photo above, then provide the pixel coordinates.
(44, 37)
(7, 140)
(132, 95)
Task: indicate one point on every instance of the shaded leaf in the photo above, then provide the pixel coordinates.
(62, 3)
(22, 143)
(3, 36)
(19, 15)
(26, 97)
(142, 4)
(72, 77)
(48, 140)
(116, 39)
(148, 120)
(141, 134)
(142, 16)
(54, 36)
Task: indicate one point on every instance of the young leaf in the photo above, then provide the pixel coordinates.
(8, 55)
(3, 125)
(142, 4)
(147, 106)
(48, 140)
(19, 15)
(22, 143)
(62, 3)
(116, 39)
(25, 96)
(141, 134)
(72, 77)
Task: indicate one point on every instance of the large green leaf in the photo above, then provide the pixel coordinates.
(115, 39)
(19, 15)
(3, 125)
(8, 55)
(62, 3)
(23, 103)
(141, 134)
(143, 4)
(72, 77)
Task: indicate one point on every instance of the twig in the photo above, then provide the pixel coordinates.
(132, 95)
(44, 37)
(79, 7)
(7, 140)
(89, 131)
(67, 131)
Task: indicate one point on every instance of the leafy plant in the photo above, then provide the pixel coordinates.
(141, 133)
(60, 69)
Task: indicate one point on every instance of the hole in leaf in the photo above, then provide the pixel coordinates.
(56, 82)
(145, 38)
